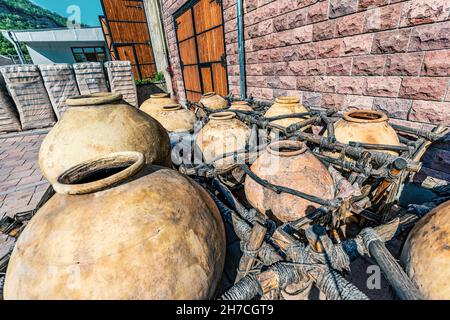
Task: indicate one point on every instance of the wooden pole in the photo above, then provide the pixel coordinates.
(397, 278)
(255, 241)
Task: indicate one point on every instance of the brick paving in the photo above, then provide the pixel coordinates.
(21, 182)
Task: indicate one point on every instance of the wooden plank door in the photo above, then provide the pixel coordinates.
(125, 27)
(201, 46)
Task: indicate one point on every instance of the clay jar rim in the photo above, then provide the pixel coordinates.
(209, 94)
(132, 162)
(94, 99)
(287, 100)
(228, 115)
(172, 107)
(274, 148)
(159, 95)
(240, 103)
(365, 116)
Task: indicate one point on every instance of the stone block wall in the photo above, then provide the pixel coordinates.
(388, 55)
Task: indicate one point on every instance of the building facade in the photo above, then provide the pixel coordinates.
(387, 55)
(49, 46)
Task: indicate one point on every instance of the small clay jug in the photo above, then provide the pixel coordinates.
(213, 101)
(174, 118)
(156, 101)
(426, 253)
(286, 106)
(98, 124)
(221, 135)
(118, 229)
(290, 164)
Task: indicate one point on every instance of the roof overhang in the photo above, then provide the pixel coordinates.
(56, 35)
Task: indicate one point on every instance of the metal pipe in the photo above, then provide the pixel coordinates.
(241, 48)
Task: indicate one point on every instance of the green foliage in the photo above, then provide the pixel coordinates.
(159, 76)
(21, 15)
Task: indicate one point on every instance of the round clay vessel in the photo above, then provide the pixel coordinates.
(286, 106)
(213, 101)
(240, 105)
(174, 118)
(99, 124)
(366, 126)
(289, 164)
(426, 253)
(157, 100)
(222, 134)
(120, 229)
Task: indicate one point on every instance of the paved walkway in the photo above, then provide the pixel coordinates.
(21, 182)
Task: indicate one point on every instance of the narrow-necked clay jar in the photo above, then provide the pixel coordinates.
(213, 101)
(366, 126)
(426, 253)
(286, 106)
(174, 118)
(289, 164)
(222, 134)
(98, 124)
(157, 100)
(119, 229)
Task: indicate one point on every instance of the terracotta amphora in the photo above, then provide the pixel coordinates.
(222, 134)
(289, 164)
(174, 118)
(99, 124)
(426, 254)
(120, 229)
(213, 101)
(286, 106)
(157, 100)
(366, 126)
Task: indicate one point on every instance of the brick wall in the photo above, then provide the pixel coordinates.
(387, 55)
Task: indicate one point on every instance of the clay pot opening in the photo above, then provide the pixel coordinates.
(222, 116)
(159, 95)
(287, 100)
(94, 99)
(172, 107)
(100, 173)
(209, 94)
(365, 116)
(286, 148)
(239, 103)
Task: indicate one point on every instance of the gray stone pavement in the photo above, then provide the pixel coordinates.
(21, 182)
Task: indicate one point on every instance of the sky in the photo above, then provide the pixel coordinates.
(89, 9)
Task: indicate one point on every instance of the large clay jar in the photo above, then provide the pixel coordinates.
(366, 126)
(174, 118)
(117, 229)
(213, 101)
(240, 106)
(156, 101)
(99, 124)
(289, 164)
(426, 254)
(286, 106)
(222, 134)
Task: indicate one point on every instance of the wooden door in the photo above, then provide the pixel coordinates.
(201, 46)
(126, 31)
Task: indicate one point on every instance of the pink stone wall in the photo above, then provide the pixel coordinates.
(386, 55)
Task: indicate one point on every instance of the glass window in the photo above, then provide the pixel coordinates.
(91, 54)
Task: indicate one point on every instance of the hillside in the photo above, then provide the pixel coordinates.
(23, 14)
